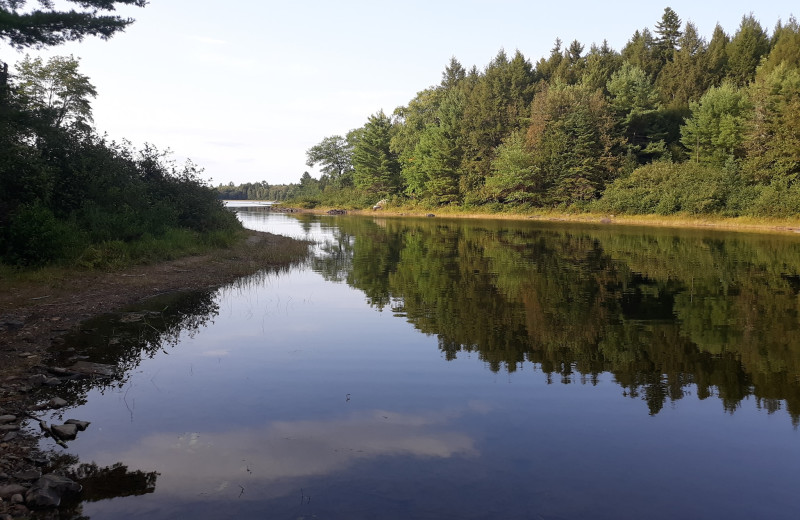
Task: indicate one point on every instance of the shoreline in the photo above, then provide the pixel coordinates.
(739, 224)
(36, 313)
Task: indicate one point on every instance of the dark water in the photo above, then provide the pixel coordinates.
(458, 369)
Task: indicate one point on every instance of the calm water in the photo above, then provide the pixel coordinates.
(458, 369)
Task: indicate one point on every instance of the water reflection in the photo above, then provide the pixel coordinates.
(359, 387)
(661, 311)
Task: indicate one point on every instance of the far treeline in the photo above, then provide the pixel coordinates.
(67, 193)
(672, 123)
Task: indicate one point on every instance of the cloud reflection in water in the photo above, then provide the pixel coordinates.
(201, 463)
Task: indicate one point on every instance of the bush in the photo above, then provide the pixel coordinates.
(35, 237)
(665, 188)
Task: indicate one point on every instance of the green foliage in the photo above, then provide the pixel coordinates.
(590, 118)
(664, 188)
(773, 136)
(334, 154)
(745, 50)
(47, 27)
(376, 168)
(34, 236)
(669, 34)
(63, 188)
(56, 91)
(573, 142)
(714, 133)
(515, 177)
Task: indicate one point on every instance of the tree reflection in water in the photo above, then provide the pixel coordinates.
(660, 310)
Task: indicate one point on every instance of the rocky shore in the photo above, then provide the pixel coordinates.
(36, 316)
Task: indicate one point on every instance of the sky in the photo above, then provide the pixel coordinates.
(244, 87)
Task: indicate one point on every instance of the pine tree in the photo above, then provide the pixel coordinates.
(376, 169)
(669, 34)
(786, 46)
(745, 50)
(717, 56)
(686, 77)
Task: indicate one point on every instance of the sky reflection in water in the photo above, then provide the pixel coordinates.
(301, 400)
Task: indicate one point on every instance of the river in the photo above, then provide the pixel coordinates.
(434, 368)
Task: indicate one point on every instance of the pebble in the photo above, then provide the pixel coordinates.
(17, 499)
(7, 418)
(9, 427)
(10, 436)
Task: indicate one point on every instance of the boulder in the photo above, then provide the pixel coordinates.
(65, 432)
(48, 491)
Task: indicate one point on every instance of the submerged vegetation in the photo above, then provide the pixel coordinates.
(68, 195)
(672, 123)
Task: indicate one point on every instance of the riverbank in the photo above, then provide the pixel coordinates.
(38, 308)
(744, 224)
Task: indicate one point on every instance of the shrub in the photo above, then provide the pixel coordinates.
(35, 237)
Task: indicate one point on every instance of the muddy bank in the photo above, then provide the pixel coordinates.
(36, 314)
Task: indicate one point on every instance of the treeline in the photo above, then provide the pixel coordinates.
(255, 191)
(671, 123)
(307, 188)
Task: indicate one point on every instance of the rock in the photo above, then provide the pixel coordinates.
(93, 369)
(11, 489)
(37, 380)
(430, 215)
(8, 427)
(53, 381)
(17, 499)
(59, 371)
(4, 419)
(82, 425)
(10, 436)
(6, 517)
(48, 491)
(37, 459)
(57, 402)
(12, 324)
(65, 432)
(20, 511)
(31, 474)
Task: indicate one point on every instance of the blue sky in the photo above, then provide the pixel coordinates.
(244, 88)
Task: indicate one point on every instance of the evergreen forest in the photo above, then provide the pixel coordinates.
(674, 122)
